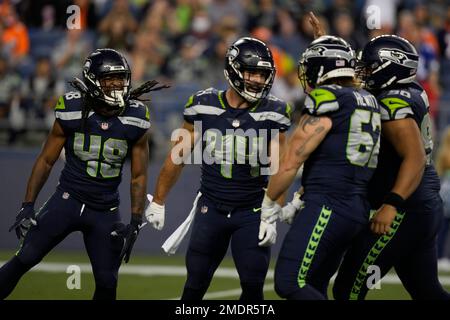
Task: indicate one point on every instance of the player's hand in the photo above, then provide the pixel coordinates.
(129, 233)
(155, 215)
(382, 219)
(289, 211)
(24, 220)
(267, 233)
(317, 27)
(270, 211)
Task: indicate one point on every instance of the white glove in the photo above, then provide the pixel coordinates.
(155, 215)
(267, 233)
(270, 211)
(289, 211)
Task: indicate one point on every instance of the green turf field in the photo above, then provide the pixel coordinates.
(158, 285)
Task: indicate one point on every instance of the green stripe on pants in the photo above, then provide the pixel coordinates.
(373, 254)
(313, 243)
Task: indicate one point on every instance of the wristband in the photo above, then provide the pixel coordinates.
(28, 204)
(136, 219)
(394, 200)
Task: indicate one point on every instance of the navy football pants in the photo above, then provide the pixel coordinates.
(57, 219)
(212, 231)
(410, 248)
(312, 250)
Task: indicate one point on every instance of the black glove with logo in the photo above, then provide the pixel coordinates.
(129, 233)
(24, 220)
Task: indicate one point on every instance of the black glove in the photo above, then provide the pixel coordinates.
(24, 220)
(129, 233)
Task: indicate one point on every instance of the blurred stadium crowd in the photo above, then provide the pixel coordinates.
(183, 43)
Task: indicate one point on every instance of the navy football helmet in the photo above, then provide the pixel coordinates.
(387, 60)
(249, 54)
(325, 58)
(103, 64)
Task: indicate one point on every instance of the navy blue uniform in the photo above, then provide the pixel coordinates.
(87, 198)
(411, 245)
(335, 180)
(234, 173)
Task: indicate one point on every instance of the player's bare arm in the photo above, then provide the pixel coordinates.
(45, 161)
(308, 135)
(282, 146)
(139, 165)
(405, 136)
(317, 27)
(171, 171)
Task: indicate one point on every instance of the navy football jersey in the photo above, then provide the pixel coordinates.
(234, 168)
(343, 164)
(405, 101)
(95, 156)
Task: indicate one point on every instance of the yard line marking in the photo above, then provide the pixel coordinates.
(141, 270)
(168, 270)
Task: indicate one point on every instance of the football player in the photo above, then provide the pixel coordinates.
(233, 174)
(98, 126)
(405, 188)
(337, 139)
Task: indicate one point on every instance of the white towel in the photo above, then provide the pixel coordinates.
(172, 243)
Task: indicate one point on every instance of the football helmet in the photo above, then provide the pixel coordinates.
(325, 58)
(107, 75)
(387, 60)
(252, 55)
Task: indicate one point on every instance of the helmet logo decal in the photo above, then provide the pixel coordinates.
(114, 68)
(315, 51)
(397, 56)
(393, 55)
